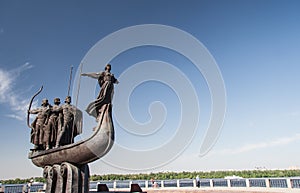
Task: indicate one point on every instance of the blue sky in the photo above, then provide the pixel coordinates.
(255, 44)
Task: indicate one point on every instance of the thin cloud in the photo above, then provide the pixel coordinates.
(20, 118)
(14, 100)
(5, 83)
(256, 146)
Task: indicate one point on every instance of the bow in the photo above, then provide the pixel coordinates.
(28, 113)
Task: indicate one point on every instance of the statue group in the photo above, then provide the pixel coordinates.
(55, 125)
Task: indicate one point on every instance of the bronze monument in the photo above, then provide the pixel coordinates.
(65, 163)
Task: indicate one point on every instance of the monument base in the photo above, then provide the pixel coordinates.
(67, 178)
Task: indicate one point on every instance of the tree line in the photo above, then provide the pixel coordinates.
(176, 175)
(192, 175)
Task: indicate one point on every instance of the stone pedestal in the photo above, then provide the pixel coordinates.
(67, 178)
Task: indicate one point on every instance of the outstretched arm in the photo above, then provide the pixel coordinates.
(92, 75)
(34, 111)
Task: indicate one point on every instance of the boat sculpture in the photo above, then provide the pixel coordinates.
(66, 167)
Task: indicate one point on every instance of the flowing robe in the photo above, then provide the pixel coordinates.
(72, 125)
(106, 81)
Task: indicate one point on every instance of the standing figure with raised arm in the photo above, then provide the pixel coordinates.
(106, 81)
(37, 135)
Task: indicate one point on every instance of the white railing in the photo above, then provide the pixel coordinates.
(288, 183)
(230, 183)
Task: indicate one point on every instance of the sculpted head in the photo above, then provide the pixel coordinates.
(56, 101)
(68, 99)
(45, 102)
(108, 67)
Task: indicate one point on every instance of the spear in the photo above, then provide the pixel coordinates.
(78, 85)
(70, 80)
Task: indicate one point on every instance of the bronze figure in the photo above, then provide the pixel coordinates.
(72, 126)
(106, 81)
(43, 112)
